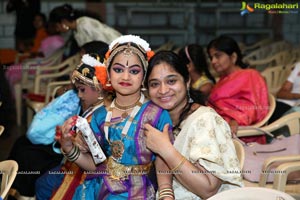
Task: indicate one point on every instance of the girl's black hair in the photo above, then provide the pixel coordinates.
(97, 47)
(229, 46)
(198, 57)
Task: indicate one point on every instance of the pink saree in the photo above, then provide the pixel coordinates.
(242, 96)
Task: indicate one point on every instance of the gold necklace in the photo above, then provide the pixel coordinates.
(124, 109)
(117, 146)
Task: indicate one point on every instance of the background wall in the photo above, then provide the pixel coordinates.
(179, 23)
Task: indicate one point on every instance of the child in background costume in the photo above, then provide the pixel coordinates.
(89, 79)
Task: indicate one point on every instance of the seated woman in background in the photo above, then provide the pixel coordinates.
(195, 59)
(288, 97)
(202, 159)
(241, 95)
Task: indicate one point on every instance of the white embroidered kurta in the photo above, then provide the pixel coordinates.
(205, 138)
(89, 29)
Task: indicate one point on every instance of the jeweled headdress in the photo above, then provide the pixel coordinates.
(129, 44)
(91, 72)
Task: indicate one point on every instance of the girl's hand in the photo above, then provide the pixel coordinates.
(157, 141)
(80, 142)
(65, 134)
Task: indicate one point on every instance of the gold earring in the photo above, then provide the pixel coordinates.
(108, 84)
(65, 27)
(143, 87)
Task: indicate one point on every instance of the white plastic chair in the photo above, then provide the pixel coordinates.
(288, 163)
(275, 77)
(248, 130)
(251, 193)
(280, 58)
(268, 50)
(240, 152)
(43, 81)
(27, 80)
(8, 169)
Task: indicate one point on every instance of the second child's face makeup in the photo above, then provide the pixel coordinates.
(87, 95)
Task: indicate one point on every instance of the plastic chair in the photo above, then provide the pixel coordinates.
(267, 51)
(292, 121)
(248, 48)
(287, 163)
(275, 77)
(251, 193)
(8, 169)
(244, 130)
(43, 81)
(27, 80)
(280, 58)
(239, 151)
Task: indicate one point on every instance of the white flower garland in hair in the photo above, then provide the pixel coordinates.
(131, 38)
(91, 61)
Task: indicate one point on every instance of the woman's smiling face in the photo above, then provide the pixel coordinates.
(166, 86)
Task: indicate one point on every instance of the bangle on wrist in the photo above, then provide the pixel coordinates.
(166, 192)
(179, 164)
(73, 155)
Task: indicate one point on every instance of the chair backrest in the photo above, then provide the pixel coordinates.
(248, 48)
(240, 152)
(275, 77)
(8, 169)
(266, 51)
(56, 71)
(280, 58)
(272, 105)
(251, 193)
(253, 129)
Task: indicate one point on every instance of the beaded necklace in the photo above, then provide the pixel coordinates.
(117, 147)
(124, 109)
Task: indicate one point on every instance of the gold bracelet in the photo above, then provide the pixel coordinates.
(179, 164)
(166, 192)
(73, 155)
(169, 184)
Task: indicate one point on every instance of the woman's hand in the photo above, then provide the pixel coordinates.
(157, 141)
(234, 127)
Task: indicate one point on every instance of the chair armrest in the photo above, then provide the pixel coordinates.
(291, 120)
(268, 162)
(280, 179)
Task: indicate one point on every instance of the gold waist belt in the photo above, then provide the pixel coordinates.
(121, 172)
